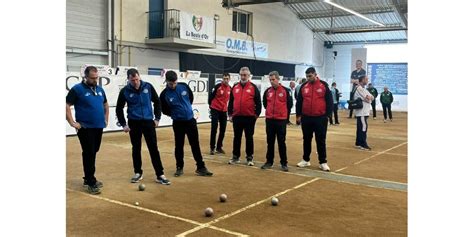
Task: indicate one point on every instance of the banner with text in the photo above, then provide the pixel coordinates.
(195, 27)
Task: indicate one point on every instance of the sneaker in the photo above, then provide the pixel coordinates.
(375, 118)
(97, 183)
(365, 148)
(137, 177)
(203, 172)
(212, 152)
(303, 163)
(357, 147)
(336, 124)
(163, 180)
(250, 161)
(179, 172)
(384, 120)
(266, 166)
(93, 189)
(391, 120)
(235, 160)
(220, 151)
(324, 167)
(284, 168)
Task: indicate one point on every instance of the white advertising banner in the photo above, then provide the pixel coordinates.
(195, 27)
(239, 47)
(113, 84)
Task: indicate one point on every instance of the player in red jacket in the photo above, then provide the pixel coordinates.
(218, 106)
(244, 108)
(277, 101)
(313, 107)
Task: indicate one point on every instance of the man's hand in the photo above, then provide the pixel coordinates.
(157, 122)
(298, 120)
(126, 129)
(76, 125)
(230, 119)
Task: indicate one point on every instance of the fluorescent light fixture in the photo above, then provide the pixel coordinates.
(353, 12)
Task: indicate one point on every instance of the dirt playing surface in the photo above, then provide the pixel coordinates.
(308, 206)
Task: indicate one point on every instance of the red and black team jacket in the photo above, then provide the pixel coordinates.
(219, 97)
(277, 102)
(314, 99)
(245, 100)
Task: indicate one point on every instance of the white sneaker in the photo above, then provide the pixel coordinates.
(303, 163)
(324, 166)
(384, 120)
(375, 118)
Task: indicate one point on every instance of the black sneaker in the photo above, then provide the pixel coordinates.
(97, 183)
(137, 177)
(163, 180)
(93, 189)
(368, 148)
(203, 172)
(284, 168)
(266, 166)
(220, 151)
(250, 161)
(234, 160)
(179, 172)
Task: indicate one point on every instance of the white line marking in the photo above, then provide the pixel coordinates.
(372, 156)
(245, 208)
(156, 212)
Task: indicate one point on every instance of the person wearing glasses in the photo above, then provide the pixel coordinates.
(92, 115)
(244, 108)
(176, 100)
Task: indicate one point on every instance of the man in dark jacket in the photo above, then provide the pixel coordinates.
(176, 100)
(374, 93)
(218, 100)
(313, 107)
(386, 98)
(335, 98)
(244, 108)
(138, 96)
(355, 75)
(277, 101)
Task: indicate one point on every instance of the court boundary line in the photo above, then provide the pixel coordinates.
(372, 156)
(246, 208)
(156, 212)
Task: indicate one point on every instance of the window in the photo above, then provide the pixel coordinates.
(241, 22)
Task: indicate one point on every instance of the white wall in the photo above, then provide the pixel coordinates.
(287, 37)
(375, 54)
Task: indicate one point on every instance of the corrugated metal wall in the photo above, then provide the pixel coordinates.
(86, 28)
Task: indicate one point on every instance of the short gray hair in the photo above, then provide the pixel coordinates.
(244, 69)
(274, 73)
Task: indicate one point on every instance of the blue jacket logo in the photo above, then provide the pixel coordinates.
(184, 93)
(145, 91)
(87, 94)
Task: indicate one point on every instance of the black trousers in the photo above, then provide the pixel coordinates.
(288, 116)
(90, 139)
(218, 118)
(336, 118)
(387, 107)
(241, 124)
(147, 129)
(318, 126)
(362, 126)
(188, 128)
(276, 129)
(374, 112)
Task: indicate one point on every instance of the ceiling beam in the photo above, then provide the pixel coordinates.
(287, 2)
(358, 30)
(400, 13)
(328, 14)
